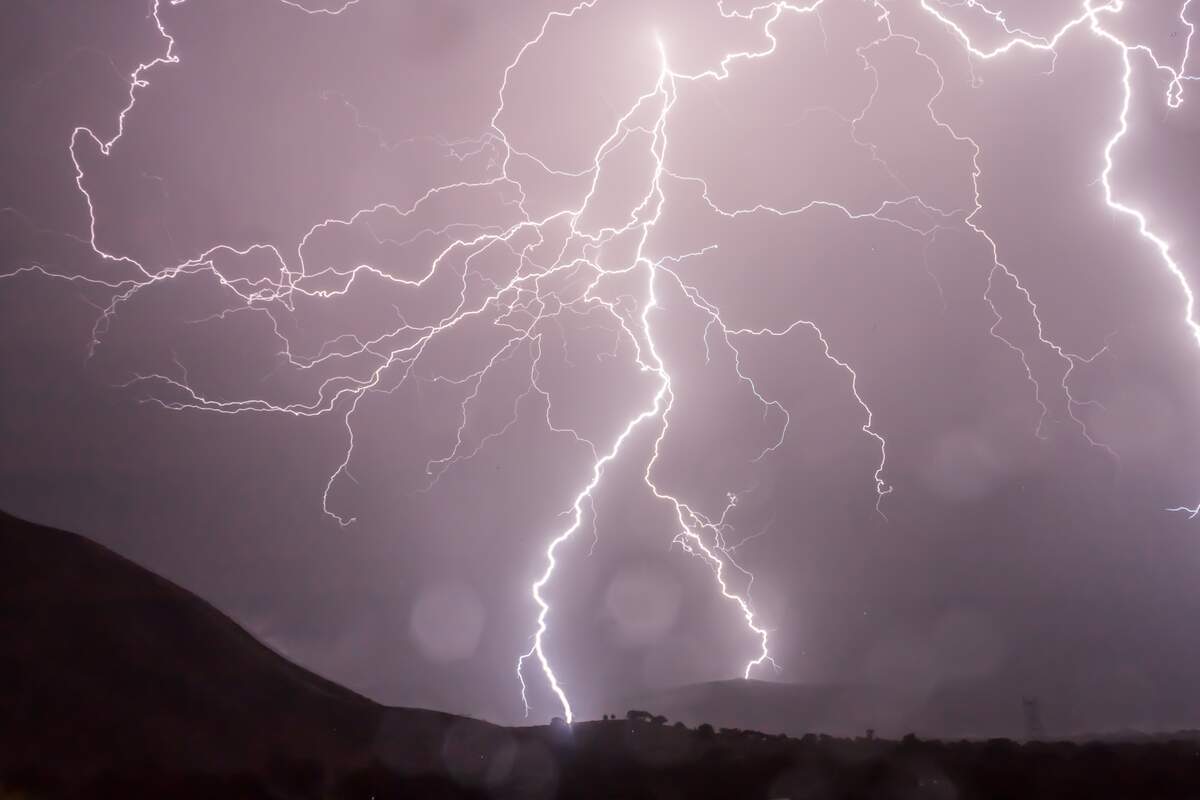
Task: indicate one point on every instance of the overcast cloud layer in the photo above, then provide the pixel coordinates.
(1016, 557)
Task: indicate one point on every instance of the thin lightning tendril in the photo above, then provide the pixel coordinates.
(542, 292)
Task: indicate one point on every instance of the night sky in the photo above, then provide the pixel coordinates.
(358, 438)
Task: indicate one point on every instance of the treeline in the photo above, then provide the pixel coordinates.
(642, 756)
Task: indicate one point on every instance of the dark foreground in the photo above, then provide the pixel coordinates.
(117, 684)
(635, 760)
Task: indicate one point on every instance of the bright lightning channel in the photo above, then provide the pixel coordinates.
(530, 299)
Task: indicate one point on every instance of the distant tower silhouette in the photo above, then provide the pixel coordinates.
(1033, 719)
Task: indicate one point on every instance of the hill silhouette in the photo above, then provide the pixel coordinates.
(953, 710)
(103, 663)
(115, 683)
(773, 707)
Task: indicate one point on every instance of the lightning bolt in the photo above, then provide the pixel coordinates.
(1090, 18)
(559, 269)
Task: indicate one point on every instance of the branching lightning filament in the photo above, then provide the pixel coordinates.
(559, 268)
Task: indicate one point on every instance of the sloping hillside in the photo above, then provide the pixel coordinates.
(103, 663)
(769, 707)
(117, 684)
(952, 711)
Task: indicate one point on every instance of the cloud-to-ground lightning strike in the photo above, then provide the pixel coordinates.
(542, 292)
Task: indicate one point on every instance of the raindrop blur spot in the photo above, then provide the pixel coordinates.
(642, 603)
(447, 621)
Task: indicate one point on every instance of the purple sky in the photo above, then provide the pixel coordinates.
(191, 418)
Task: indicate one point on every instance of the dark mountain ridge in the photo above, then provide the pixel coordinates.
(955, 710)
(115, 683)
(103, 663)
